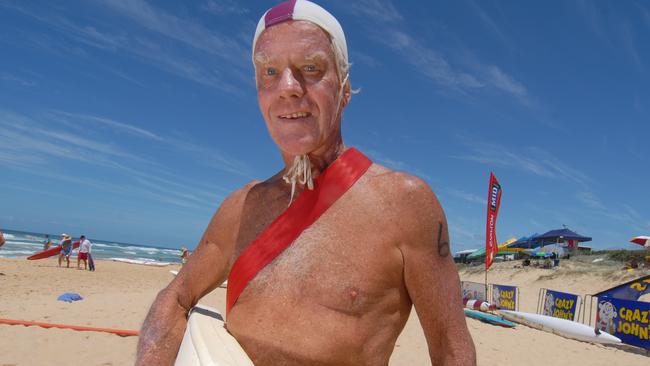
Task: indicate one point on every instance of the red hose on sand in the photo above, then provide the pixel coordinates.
(119, 332)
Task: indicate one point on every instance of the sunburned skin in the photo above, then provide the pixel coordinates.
(342, 292)
(336, 296)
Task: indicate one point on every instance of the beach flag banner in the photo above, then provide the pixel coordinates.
(504, 297)
(626, 319)
(560, 304)
(632, 290)
(473, 291)
(494, 200)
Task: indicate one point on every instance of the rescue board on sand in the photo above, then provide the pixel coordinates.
(563, 327)
(488, 318)
(207, 342)
(51, 252)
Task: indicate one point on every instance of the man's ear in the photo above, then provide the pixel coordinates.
(347, 93)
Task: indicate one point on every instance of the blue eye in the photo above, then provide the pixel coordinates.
(271, 71)
(310, 68)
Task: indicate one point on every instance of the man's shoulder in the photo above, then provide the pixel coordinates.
(402, 203)
(234, 202)
(399, 185)
(238, 196)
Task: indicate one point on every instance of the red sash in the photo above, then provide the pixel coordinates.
(330, 185)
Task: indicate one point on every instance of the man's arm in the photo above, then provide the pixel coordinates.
(432, 279)
(163, 329)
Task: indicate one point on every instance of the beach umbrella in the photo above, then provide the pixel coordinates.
(479, 253)
(641, 240)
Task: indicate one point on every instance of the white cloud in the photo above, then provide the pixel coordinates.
(224, 7)
(179, 29)
(490, 23)
(429, 61)
(40, 146)
(5, 76)
(115, 125)
(207, 156)
(505, 82)
(33, 140)
(469, 197)
(590, 200)
(532, 160)
(203, 56)
(363, 58)
(377, 10)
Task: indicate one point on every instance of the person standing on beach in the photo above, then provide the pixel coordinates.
(66, 249)
(84, 251)
(184, 255)
(326, 259)
(2, 239)
(47, 242)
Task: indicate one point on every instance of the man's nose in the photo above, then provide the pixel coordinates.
(290, 85)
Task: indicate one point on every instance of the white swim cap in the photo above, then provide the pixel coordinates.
(306, 10)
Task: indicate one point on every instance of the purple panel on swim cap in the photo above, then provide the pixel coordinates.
(279, 13)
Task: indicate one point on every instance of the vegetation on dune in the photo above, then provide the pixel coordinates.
(623, 255)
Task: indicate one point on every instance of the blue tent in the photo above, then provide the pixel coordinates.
(560, 236)
(527, 242)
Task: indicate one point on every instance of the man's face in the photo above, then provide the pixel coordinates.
(298, 86)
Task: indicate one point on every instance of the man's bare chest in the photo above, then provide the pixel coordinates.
(345, 260)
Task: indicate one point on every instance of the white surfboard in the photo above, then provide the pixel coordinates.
(207, 342)
(563, 327)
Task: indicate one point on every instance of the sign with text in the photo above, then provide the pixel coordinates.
(504, 297)
(494, 201)
(626, 319)
(560, 304)
(628, 291)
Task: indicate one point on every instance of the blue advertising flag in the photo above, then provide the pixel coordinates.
(560, 304)
(632, 290)
(626, 319)
(504, 297)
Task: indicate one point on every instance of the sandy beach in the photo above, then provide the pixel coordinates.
(118, 295)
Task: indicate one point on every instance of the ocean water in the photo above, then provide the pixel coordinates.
(20, 244)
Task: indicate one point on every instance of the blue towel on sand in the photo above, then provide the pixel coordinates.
(70, 297)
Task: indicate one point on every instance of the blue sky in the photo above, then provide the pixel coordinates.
(131, 120)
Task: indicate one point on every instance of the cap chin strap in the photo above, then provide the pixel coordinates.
(300, 171)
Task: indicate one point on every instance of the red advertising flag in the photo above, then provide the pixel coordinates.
(494, 200)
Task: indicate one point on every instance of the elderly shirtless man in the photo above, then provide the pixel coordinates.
(345, 253)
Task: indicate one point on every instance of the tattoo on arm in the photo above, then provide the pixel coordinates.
(443, 245)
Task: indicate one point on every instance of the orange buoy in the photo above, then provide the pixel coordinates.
(120, 332)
